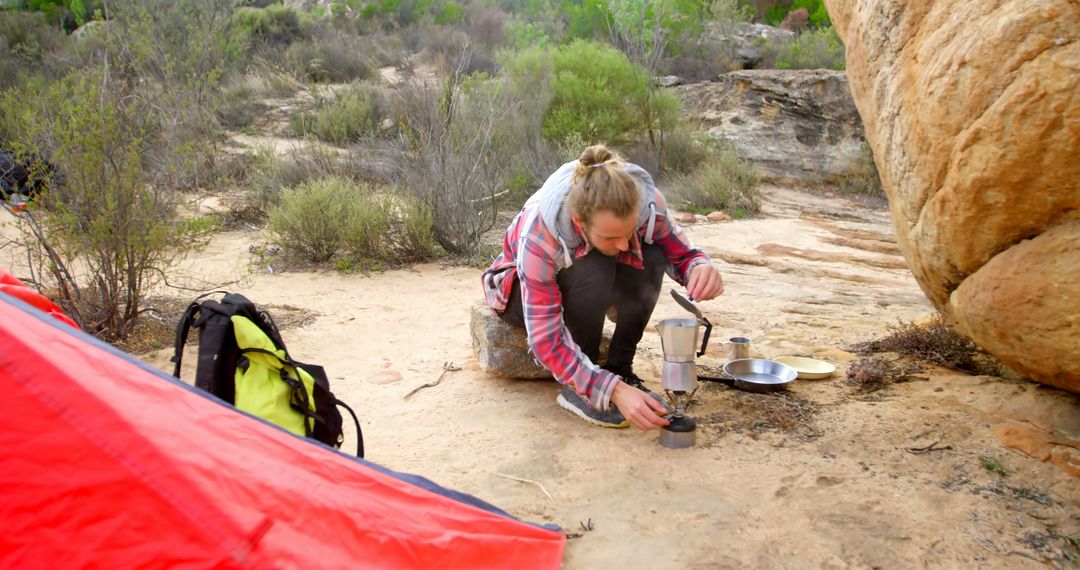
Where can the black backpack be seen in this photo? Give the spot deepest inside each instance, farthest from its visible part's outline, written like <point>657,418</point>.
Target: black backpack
<point>305,391</point>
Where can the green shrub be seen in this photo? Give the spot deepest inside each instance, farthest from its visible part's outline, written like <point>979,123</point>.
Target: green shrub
<point>521,35</point>
<point>367,227</point>
<point>275,25</point>
<point>333,217</point>
<point>415,237</point>
<point>724,182</point>
<point>597,93</point>
<point>102,238</point>
<point>28,45</point>
<point>312,219</point>
<point>356,112</point>
<point>816,49</point>
<point>450,13</point>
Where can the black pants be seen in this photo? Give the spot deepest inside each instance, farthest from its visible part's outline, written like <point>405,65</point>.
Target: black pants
<point>593,284</point>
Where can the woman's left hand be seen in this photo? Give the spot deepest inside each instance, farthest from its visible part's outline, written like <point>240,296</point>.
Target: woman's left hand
<point>705,282</point>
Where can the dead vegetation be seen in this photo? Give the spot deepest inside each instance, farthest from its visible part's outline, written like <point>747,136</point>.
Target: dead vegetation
<point>934,342</point>
<point>868,375</point>
<point>731,410</point>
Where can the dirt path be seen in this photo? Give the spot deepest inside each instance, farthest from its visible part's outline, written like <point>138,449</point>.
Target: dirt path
<point>819,477</point>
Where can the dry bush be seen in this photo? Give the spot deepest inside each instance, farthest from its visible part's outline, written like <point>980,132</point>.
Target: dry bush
<point>267,174</point>
<point>797,20</point>
<point>241,97</point>
<point>863,179</point>
<point>487,26</point>
<point>457,166</point>
<point>354,113</point>
<point>935,342</point>
<point>735,410</point>
<point>684,152</point>
<point>28,45</point>
<point>723,182</point>
<point>873,374</point>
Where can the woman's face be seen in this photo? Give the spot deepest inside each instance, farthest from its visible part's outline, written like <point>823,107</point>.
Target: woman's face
<point>608,233</point>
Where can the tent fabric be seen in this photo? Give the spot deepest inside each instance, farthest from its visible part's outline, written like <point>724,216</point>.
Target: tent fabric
<point>12,286</point>
<point>107,462</point>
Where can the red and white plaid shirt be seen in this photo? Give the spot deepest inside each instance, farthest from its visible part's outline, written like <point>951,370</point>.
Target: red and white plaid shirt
<point>535,256</point>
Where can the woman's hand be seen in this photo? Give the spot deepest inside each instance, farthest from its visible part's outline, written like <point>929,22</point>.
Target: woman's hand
<point>641,409</point>
<point>705,282</point>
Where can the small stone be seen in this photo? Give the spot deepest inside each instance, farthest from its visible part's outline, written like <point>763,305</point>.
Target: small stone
<point>687,218</point>
<point>700,218</point>
<point>718,216</point>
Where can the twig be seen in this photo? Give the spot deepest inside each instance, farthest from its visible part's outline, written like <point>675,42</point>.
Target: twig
<point>929,448</point>
<point>447,367</point>
<point>529,481</point>
<point>1025,555</point>
<point>491,197</point>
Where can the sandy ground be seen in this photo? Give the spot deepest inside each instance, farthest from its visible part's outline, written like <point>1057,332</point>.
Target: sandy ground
<point>818,477</point>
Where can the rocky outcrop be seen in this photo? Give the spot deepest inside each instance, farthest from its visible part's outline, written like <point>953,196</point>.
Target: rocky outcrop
<point>973,113</point>
<point>794,125</point>
<point>747,44</point>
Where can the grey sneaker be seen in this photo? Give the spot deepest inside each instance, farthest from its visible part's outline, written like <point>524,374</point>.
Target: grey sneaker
<point>569,400</point>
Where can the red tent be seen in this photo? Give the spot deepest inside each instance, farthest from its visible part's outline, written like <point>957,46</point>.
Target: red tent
<point>107,462</point>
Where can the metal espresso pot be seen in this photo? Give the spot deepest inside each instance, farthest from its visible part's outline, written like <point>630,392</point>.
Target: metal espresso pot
<point>679,339</point>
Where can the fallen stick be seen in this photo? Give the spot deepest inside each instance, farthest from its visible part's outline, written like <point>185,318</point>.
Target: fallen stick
<point>929,448</point>
<point>447,367</point>
<point>529,481</point>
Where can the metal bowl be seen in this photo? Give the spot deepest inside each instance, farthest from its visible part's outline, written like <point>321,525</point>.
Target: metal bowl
<point>759,375</point>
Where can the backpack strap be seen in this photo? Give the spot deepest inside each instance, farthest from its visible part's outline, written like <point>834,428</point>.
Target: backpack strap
<point>359,434</point>
<point>182,329</point>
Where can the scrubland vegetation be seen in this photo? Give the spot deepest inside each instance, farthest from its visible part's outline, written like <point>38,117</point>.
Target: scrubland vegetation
<point>423,122</point>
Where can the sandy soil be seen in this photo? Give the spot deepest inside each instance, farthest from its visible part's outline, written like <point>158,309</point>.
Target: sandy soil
<point>820,476</point>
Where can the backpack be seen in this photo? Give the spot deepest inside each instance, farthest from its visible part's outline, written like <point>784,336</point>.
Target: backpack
<point>243,361</point>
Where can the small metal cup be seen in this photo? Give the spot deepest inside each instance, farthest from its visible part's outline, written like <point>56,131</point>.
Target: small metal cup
<point>739,347</point>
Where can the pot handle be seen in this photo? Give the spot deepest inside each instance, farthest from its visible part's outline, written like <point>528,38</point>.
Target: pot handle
<point>705,337</point>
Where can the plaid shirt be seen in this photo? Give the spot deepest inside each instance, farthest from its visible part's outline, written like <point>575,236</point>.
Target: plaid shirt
<point>535,256</point>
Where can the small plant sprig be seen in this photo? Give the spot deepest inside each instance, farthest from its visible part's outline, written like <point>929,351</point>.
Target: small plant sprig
<point>992,465</point>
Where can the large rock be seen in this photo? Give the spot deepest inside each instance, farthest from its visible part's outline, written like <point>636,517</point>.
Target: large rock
<point>794,125</point>
<point>502,350</point>
<point>973,112</point>
<point>747,43</point>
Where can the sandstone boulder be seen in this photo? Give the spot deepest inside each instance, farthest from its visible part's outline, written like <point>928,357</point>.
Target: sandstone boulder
<point>503,350</point>
<point>973,113</point>
<point>794,125</point>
